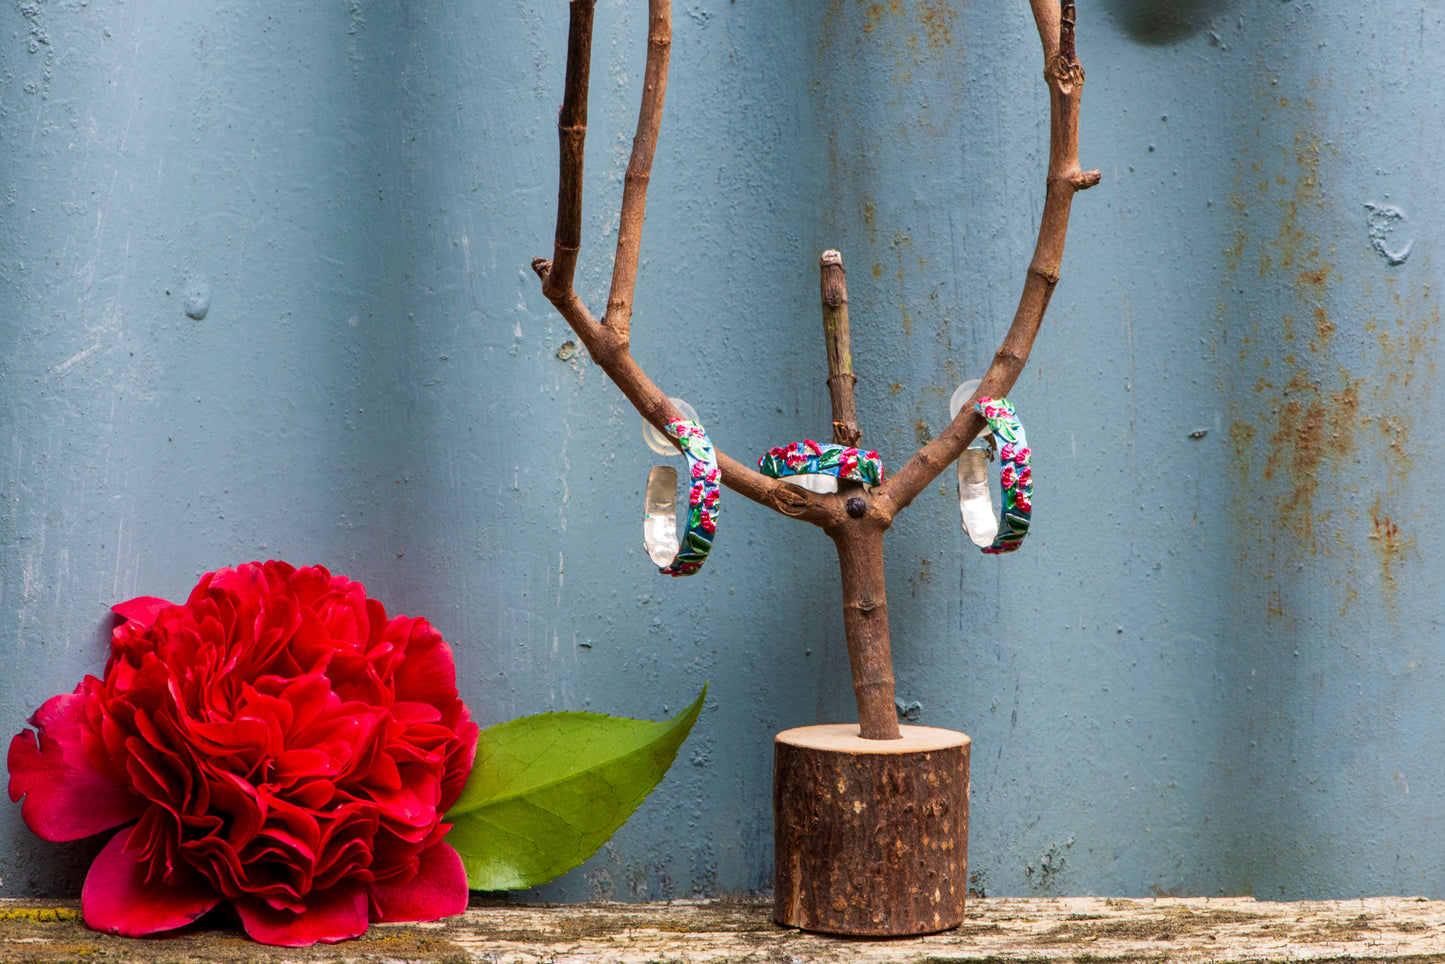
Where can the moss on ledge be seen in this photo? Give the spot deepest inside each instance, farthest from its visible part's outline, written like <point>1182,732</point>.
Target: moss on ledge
<point>1083,930</point>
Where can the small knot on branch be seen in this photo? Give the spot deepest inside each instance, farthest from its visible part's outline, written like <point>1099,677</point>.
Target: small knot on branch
<point>1007,357</point>
<point>1065,71</point>
<point>789,499</point>
<point>1050,275</point>
<point>1076,179</point>
<point>542,266</point>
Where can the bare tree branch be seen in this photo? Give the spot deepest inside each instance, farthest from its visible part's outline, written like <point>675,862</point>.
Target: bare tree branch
<point>639,169</point>
<point>606,349</point>
<point>865,623</point>
<point>834,285</point>
<point>572,135</point>
<point>608,344</point>
<point>1065,78</point>
<point>858,538</point>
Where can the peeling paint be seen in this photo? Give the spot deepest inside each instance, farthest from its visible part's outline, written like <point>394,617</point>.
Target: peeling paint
<point>1384,221</point>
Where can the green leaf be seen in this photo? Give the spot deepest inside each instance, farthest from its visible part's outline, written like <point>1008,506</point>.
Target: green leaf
<point>546,791</point>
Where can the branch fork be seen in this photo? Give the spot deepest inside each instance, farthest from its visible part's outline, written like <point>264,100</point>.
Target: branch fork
<point>854,517</point>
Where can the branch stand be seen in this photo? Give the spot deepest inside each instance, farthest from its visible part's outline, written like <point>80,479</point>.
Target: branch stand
<point>870,836</point>
<point>871,820</point>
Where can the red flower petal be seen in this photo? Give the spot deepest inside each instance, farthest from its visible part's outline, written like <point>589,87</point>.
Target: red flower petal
<point>118,899</point>
<point>330,916</point>
<point>438,890</point>
<point>65,799</point>
<point>429,673</point>
<point>142,609</point>
<point>459,761</point>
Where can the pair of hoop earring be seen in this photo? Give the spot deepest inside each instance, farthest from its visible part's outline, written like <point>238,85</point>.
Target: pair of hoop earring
<point>684,556</point>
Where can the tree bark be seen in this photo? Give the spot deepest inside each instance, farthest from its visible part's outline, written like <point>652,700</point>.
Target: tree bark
<point>870,839</point>
<point>618,317</point>
<point>865,622</point>
<point>841,380</point>
<point>857,535</point>
<point>572,138</point>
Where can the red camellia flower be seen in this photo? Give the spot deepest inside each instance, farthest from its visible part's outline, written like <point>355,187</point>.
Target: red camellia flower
<point>276,742</point>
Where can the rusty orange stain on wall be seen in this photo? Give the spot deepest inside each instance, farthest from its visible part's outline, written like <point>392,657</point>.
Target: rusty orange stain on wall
<point>1241,435</point>
<point>1389,545</point>
<point>875,13</point>
<point>1302,442</point>
<point>904,31</point>
<point>1344,411</point>
<point>1313,405</point>
<point>937,17</point>
<point>1297,449</point>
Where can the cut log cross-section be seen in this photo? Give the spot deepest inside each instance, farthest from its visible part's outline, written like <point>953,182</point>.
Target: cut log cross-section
<point>871,836</point>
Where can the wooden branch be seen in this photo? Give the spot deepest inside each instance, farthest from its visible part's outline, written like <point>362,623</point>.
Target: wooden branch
<point>1065,78</point>
<point>639,170</point>
<point>834,285</point>
<point>859,536</point>
<point>612,355</point>
<point>572,133</point>
<point>865,623</point>
<point>608,344</point>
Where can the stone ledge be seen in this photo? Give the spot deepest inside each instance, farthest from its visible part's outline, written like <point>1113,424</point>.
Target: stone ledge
<point>1084,929</point>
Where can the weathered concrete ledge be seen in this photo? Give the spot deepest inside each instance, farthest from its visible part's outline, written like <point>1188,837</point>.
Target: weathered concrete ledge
<point>1084,929</point>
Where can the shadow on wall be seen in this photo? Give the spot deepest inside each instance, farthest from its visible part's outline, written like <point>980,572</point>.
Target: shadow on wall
<point>1166,21</point>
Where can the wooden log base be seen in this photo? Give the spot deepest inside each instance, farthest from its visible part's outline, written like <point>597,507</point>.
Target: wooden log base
<point>870,836</point>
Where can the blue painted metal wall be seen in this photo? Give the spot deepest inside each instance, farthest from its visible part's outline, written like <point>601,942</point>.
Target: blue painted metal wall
<point>265,294</point>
